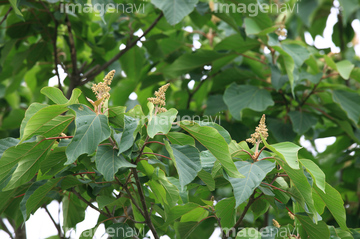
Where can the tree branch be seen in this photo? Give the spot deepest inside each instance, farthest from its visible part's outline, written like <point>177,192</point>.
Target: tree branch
<point>89,203</point>
<point>142,199</point>
<point>5,228</point>
<point>58,228</point>
<point>89,76</point>
<point>6,15</point>
<point>252,199</point>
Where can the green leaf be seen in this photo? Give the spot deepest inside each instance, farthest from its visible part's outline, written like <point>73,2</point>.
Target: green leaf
<point>91,130</point>
<point>225,211</point>
<point>56,95</point>
<point>289,65</point>
<point>254,174</point>
<point>28,157</point>
<point>7,143</point>
<point>35,195</point>
<point>120,231</point>
<point>175,10</point>
<point>302,121</point>
<point>215,143</point>
<point>108,162</point>
<point>334,203</point>
<point>180,138</point>
<point>224,133</point>
<point>190,61</point>
<point>207,161</point>
<point>237,43</point>
<point>42,117</point>
<point>179,210</point>
<point>251,27</point>
<point>302,186</point>
<point>298,53</point>
<point>207,179</point>
<point>14,5</point>
<point>125,140</point>
<point>247,233</point>
<point>73,211</point>
<point>260,207</point>
<point>317,174</point>
<point>313,230</point>
<point>33,108</point>
<point>239,97</point>
<point>161,123</point>
<point>54,161</point>
<point>187,162</point>
<point>286,151</point>
<point>132,62</point>
<point>349,102</point>
<point>345,68</point>
<point>184,229</point>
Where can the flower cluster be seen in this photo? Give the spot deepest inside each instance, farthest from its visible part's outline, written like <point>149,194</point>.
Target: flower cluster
<point>102,89</point>
<point>261,129</point>
<point>159,100</point>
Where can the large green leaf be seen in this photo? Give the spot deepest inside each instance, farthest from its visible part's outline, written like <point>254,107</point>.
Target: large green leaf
<point>349,102</point>
<point>108,162</point>
<point>35,195</point>
<point>180,138</point>
<point>239,97</point>
<point>317,174</point>
<point>207,160</point>
<point>27,157</point>
<point>175,10</point>
<point>298,53</point>
<point>311,229</point>
<point>33,108</point>
<point>187,161</point>
<point>91,130</point>
<point>179,210</point>
<point>132,63</point>
<point>345,68</point>
<point>237,43</point>
<point>73,211</point>
<point>289,65</point>
<point>215,143</point>
<point>126,138</point>
<point>334,203</point>
<point>14,5</point>
<point>302,187</point>
<point>254,174</point>
<point>161,123</point>
<point>7,143</point>
<point>225,211</point>
<point>302,121</point>
<point>190,61</point>
<point>58,97</point>
<point>286,151</point>
<point>42,117</point>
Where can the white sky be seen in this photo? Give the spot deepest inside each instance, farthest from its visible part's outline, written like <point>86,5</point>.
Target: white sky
<point>39,226</point>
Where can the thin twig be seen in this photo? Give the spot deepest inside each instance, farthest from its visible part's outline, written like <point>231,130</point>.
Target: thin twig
<point>58,228</point>
<point>143,202</point>
<point>89,76</point>
<point>6,15</point>
<point>5,228</point>
<point>238,222</point>
<point>89,203</point>
<point>72,47</point>
<point>160,155</point>
<point>54,42</point>
<point>155,142</point>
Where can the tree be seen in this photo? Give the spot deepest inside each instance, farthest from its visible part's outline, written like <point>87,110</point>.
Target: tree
<point>185,168</point>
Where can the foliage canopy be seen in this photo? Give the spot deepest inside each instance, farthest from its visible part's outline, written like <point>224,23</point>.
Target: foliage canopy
<point>178,163</point>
